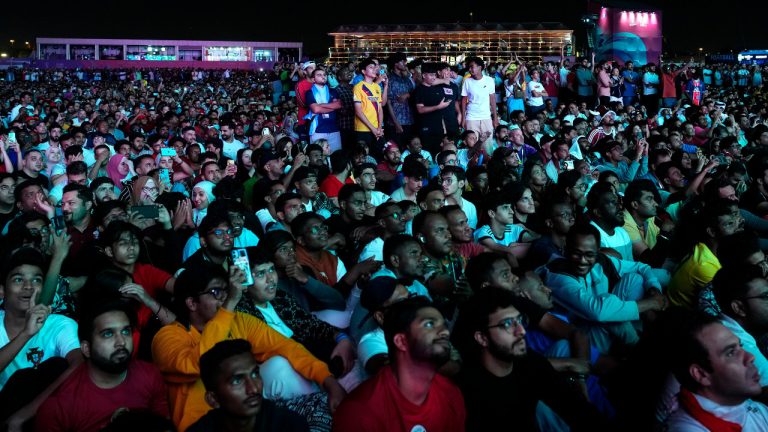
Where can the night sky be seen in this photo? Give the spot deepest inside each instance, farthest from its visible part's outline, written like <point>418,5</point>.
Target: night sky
<point>714,26</point>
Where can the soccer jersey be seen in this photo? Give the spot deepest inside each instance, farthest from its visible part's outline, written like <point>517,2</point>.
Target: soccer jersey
<point>511,235</point>
<point>369,98</point>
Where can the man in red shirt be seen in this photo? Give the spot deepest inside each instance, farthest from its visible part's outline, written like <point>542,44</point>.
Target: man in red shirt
<point>122,245</point>
<point>341,167</point>
<point>408,394</point>
<point>109,380</point>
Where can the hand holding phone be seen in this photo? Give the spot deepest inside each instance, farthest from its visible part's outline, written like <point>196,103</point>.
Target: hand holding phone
<point>240,259</point>
<point>147,211</point>
<point>168,151</point>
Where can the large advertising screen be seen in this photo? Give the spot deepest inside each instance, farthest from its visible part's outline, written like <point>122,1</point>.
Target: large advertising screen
<point>228,54</point>
<point>624,35</point>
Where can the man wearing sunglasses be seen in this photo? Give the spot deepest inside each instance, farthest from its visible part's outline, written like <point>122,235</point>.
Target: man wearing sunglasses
<point>501,380</point>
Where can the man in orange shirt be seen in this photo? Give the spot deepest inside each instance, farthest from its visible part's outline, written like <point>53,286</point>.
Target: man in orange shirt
<point>205,303</point>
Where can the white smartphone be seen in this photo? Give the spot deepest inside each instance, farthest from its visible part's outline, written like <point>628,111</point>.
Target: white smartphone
<point>240,259</point>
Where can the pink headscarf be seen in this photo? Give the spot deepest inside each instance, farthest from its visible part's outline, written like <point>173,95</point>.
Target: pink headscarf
<point>113,170</point>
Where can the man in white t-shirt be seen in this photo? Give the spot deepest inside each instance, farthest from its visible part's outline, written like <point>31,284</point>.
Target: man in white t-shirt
<point>231,145</point>
<point>454,179</point>
<point>478,101</point>
<point>365,175</point>
<point>536,94</point>
<point>607,215</point>
<point>30,336</point>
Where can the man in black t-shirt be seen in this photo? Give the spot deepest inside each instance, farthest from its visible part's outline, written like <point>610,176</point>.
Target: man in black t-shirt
<point>8,208</point>
<point>501,380</point>
<point>433,98</point>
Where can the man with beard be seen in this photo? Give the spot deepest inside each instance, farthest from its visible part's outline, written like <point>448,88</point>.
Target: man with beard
<point>8,208</point>
<point>407,394</point>
<point>233,387</point>
<point>230,145</point>
<point>366,177</point>
<point>109,380</point>
<point>502,382</point>
<point>76,205</point>
<point>54,134</point>
<point>351,222</point>
<point>391,221</point>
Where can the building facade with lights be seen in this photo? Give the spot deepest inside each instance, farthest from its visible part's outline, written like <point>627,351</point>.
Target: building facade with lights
<point>451,42</point>
<point>182,52</point>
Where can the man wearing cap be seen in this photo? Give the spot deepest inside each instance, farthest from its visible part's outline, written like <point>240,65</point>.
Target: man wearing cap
<point>323,102</point>
<point>380,293</point>
<point>606,129</point>
<point>302,87</point>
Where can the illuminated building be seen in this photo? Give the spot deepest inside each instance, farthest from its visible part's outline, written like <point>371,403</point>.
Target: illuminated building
<point>451,42</point>
<point>179,53</point>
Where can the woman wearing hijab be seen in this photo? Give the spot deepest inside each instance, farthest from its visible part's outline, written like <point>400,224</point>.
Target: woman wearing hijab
<point>120,169</point>
<point>202,197</point>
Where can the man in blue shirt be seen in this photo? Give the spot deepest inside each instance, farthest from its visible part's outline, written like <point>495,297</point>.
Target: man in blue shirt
<point>323,102</point>
<point>630,83</point>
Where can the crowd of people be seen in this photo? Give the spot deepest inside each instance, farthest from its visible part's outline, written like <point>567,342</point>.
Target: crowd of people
<point>386,245</point>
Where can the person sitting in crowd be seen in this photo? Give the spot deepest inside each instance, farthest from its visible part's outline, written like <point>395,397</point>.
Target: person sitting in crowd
<point>338,233</point>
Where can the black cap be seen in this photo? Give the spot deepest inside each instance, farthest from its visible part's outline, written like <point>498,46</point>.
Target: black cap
<point>377,292</point>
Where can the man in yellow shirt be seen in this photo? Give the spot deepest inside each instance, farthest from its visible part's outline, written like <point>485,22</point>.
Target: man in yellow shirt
<point>205,303</point>
<point>650,244</point>
<point>369,115</point>
<point>700,266</point>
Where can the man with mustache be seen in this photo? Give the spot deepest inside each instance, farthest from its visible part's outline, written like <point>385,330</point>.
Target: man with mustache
<point>718,379</point>
<point>408,394</point>
<point>501,380</point>
<point>233,387</point>
<point>110,379</point>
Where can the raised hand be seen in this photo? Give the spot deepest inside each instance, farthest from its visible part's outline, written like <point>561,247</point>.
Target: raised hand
<point>36,315</point>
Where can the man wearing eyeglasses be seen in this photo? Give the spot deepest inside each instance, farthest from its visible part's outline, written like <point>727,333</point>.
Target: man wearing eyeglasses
<point>216,242</point>
<point>601,294</point>
<point>501,380</point>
